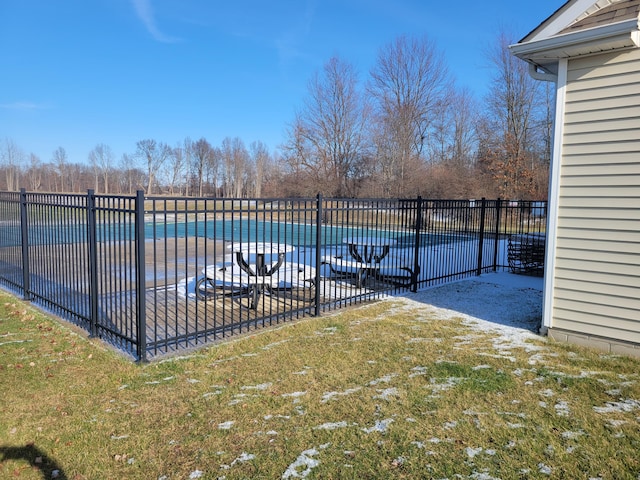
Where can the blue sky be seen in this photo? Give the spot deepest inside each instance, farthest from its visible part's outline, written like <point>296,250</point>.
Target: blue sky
<point>76,73</point>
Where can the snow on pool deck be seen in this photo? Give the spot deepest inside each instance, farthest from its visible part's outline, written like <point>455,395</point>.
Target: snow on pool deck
<point>497,298</point>
<point>508,306</point>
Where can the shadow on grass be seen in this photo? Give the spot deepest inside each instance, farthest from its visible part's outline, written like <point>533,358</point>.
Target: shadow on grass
<point>35,457</point>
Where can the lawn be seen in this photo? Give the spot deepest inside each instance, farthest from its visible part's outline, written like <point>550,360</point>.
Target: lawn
<point>393,389</point>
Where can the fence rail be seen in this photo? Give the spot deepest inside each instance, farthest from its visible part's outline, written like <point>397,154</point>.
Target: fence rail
<point>155,275</point>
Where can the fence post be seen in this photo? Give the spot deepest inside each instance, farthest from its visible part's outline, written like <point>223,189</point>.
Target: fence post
<point>93,261</point>
<point>497,234</point>
<point>416,251</point>
<point>319,214</point>
<point>26,274</point>
<point>141,307</point>
<point>481,237</point>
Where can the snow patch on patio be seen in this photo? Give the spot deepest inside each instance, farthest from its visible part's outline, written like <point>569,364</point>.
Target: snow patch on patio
<point>507,306</point>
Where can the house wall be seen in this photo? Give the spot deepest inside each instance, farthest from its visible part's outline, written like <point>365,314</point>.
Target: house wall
<point>596,269</point>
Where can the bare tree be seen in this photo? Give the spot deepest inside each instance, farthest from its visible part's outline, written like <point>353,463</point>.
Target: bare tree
<point>464,111</point>
<point>261,158</point>
<point>11,157</point>
<point>49,178</point>
<point>132,177</point>
<point>127,177</point>
<point>453,136</point>
<point>154,154</point>
<point>408,84</point>
<point>328,137</point>
<point>34,173</point>
<point>273,176</point>
<point>202,153</point>
<point>187,149</point>
<point>295,150</point>
<point>213,170</point>
<point>513,109</point>
<point>177,167</point>
<point>237,169</point>
<point>101,159</point>
<point>79,177</point>
<point>60,161</point>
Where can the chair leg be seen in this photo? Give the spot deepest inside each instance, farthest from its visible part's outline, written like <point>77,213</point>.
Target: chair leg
<point>254,296</point>
<point>399,281</point>
<point>203,285</point>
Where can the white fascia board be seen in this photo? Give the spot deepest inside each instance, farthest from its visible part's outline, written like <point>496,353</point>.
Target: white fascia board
<point>563,46</point>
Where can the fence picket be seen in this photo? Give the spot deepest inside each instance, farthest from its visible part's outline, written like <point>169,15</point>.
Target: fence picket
<point>24,235</point>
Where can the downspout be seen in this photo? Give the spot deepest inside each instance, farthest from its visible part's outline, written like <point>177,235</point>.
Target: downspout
<point>539,73</point>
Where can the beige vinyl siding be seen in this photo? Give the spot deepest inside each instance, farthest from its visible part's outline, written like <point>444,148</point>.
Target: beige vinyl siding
<point>597,257</point>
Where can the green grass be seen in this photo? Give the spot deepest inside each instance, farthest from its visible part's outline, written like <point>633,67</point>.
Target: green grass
<point>372,392</point>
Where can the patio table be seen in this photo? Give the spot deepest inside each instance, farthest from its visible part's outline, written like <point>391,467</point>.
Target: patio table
<point>369,250</point>
<point>260,261</point>
<point>255,269</point>
<point>365,255</point>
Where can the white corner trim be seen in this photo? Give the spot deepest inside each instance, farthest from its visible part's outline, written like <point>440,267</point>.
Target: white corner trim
<point>554,196</point>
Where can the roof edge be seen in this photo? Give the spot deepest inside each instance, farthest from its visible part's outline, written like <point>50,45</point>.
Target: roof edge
<point>563,16</point>
<point>565,42</point>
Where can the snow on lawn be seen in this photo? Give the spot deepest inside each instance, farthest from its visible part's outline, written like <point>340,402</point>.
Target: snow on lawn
<point>303,464</point>
<point>509,309</point>
<point>506,305</point>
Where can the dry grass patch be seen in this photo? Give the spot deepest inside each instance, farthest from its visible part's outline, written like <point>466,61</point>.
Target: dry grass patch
<point>387,390</point>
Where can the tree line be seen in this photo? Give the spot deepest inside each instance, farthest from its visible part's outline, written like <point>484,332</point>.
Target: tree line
<point>405,130</point>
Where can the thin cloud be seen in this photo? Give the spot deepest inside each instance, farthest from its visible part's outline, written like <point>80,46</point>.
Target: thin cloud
<point>23,106</point>
<point>145,14</point>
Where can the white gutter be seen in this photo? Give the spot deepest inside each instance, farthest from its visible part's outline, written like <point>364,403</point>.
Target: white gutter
<point>561,46</point>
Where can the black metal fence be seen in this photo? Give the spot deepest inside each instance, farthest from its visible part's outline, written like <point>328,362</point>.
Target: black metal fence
<point>155,275</point>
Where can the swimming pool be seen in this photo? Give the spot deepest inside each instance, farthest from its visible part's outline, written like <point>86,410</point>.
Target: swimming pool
<point>235,230</point>
<point>247,230</point>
